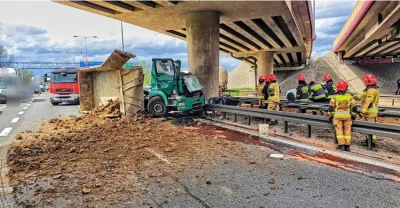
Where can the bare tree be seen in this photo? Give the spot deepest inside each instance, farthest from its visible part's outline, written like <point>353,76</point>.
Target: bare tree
<point>5,58</point>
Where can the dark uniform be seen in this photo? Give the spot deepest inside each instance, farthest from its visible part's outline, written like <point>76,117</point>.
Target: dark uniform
<point>331,88</point>
<point>317,92</point>
<point>302,93</point>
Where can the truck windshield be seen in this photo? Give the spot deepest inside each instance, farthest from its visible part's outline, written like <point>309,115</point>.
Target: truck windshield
<point>63,78</point>
<point>192,83</point>
<point>165,67</point>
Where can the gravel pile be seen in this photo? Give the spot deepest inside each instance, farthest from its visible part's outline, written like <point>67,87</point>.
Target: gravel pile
<point>243,76</point>
<point>314,71</point>
<point>386,74</point>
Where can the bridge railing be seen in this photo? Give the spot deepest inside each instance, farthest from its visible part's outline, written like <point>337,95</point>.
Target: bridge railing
<point>350,20</point>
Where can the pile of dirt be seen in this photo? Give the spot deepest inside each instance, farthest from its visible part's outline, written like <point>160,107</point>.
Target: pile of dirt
<point>314,71</point>
<point>386,74</point>
<point>243,76</point>
<point>96,161</point>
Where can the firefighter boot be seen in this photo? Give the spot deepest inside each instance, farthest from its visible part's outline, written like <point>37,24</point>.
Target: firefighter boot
<point>340,147</point>
<point>347,148</point>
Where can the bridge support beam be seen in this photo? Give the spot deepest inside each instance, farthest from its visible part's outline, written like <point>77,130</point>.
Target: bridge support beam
<point>202,35</point>
<point>265,63</point>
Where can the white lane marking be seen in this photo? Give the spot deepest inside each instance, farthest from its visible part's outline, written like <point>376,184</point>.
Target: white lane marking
<point>28,104</point>
<point>6,131</point>
<point>24,108</point>
<point>162,157</point>
<point>20,113</point>
<point>3,107</point>
<point>15,120</point>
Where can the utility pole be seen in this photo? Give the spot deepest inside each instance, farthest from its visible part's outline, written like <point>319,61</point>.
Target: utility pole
<point>122,34</point>
<point>85,37</point>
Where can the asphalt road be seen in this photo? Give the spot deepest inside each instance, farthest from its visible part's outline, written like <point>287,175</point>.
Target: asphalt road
<point>297,183</point>
<point>234,183</point>
<point>15,118</point>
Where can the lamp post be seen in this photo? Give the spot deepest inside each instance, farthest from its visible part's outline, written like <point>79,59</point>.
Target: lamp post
<point>74,52</point>
<point>122,37</point>
<point>85,37</point>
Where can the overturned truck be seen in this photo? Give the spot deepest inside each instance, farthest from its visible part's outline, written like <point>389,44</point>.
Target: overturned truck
<point>110,81</point>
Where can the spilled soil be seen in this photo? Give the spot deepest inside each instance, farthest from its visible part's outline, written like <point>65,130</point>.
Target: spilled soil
<point>102,160</point>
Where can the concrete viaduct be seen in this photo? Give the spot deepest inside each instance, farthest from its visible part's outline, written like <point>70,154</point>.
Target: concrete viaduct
<point>265,33</point>
<point>371,31</point>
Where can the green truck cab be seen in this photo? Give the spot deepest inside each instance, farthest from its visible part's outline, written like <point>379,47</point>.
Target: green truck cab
<point>173,90</point>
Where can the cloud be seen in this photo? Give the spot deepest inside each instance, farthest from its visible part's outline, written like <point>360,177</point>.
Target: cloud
<point>330,16</point>
<point>32,44</point>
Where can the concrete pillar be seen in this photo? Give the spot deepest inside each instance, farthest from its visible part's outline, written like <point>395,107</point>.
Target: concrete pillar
<point>265,63</point>
<point>202,36</point>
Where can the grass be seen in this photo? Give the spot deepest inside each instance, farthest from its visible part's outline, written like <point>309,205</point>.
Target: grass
<point>238,93</point>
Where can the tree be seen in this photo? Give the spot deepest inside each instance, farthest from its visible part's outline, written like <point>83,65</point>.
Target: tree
<point>146,71</point>
<point>5,58</point>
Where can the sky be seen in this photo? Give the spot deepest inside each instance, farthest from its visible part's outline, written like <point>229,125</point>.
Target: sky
<point>43,31</point>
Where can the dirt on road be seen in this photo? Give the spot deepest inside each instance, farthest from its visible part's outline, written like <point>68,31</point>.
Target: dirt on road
<point>94,161</point>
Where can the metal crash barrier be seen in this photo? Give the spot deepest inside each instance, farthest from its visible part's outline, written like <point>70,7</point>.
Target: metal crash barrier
<point>379,129</point>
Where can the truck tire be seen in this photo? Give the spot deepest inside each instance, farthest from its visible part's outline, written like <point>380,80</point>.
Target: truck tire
<point>290,97</point>
<point>157,107</point>
<point>54,103</point>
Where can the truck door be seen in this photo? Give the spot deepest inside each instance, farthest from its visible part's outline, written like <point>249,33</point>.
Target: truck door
<point>165,75</point>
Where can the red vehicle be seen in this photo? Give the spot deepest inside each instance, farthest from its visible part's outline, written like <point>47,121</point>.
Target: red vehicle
<point>64,86</point>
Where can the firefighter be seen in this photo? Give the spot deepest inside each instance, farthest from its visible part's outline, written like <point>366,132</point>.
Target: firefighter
<point>273,96</point>
<point>317,91</point>
<point>342,109</point>
<point>329,86</point>
<point>265,90</point>
<point>302,89</point>
<point>260,86</point>
<point>369,103</point>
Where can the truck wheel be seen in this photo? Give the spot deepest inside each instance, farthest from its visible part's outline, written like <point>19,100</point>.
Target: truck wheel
<point>157,107</point>
<point>290,97</point>
<point>54,103</point>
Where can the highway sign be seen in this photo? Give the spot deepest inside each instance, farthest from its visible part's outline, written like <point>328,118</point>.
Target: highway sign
<point>85,64</point>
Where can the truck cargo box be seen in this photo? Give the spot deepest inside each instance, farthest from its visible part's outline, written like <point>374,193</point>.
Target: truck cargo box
<point>110,81</point>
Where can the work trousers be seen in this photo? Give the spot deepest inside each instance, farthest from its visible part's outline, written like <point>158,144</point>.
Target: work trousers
<point>370,119</point>
<point>343,130</point>
<point>261,101</point>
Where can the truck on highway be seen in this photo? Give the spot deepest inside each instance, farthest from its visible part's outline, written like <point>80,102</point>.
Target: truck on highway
<point>64,86</point>
<point>173,90</point>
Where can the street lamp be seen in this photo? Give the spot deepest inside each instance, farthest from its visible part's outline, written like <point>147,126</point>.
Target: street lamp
<point>85,37</point>
<point>74,52</point>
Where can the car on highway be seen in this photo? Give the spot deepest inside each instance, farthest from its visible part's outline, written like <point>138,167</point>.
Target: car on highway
<point>3,96</point>
<point>291,94</point>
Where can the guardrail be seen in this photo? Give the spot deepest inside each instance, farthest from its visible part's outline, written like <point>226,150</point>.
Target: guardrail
<point>387,130</point>
<point>317,106</point>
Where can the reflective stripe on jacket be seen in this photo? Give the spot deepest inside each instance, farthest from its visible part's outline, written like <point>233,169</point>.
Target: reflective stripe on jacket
<point>302,93</point>
<point>273,92</point>
<point>370,101</point>
<point>259,89</point>
<point>341,106</point>
<point>317,92</point>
